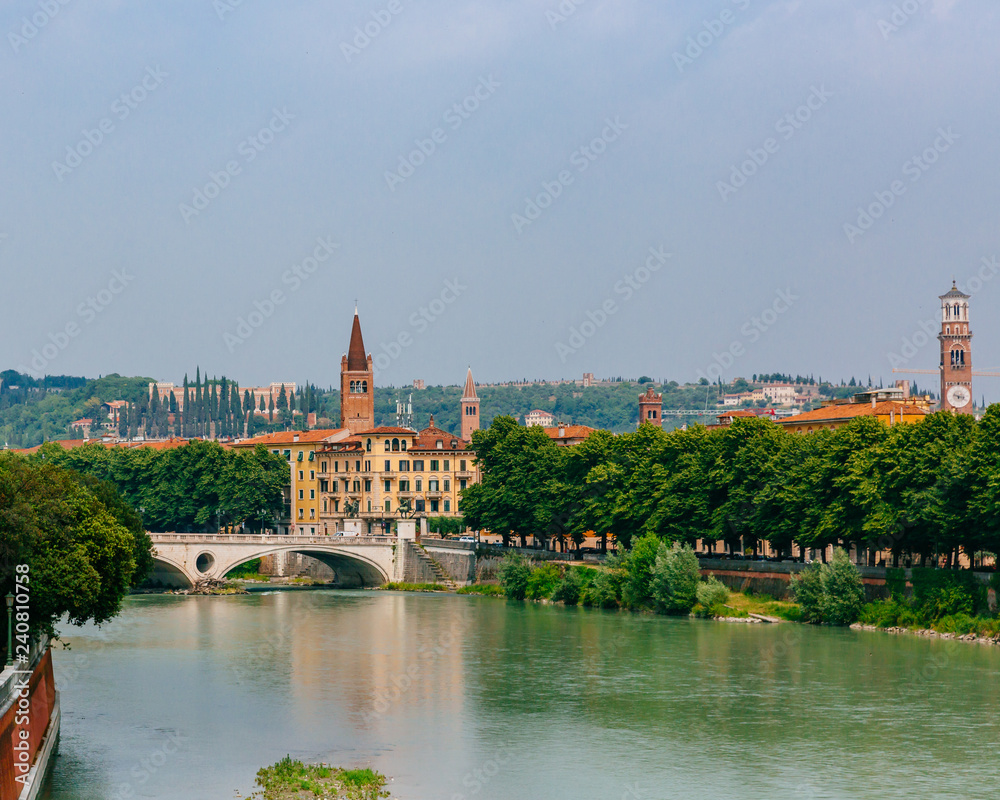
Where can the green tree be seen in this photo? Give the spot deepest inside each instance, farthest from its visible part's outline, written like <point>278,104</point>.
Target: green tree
<point>675,579</point>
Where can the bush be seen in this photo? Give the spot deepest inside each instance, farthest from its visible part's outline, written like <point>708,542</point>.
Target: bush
<point>638,563</point>
<point>831,593</point>
<point>570,588</point>
<point>514,574</point>
<point>543,582</point>
<point>895,582</point>
<point>675,579</point>
<point>485,589</point>
<point>941,593</point>
<point>603,590</point>
<point>712,594</point>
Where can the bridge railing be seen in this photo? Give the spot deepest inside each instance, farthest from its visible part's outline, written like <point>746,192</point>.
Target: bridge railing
<point>225,538</point>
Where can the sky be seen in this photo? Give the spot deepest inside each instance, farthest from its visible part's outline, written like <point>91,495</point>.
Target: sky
<point>534,188</point>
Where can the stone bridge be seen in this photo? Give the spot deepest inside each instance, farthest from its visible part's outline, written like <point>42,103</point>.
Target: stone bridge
<point>183,559</point>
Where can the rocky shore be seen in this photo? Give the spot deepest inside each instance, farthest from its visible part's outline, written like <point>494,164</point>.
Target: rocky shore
<point>958,637</point>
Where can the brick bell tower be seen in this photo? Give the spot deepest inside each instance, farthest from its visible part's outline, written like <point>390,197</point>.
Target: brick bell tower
<point>357,384</point>
<point>956,352</point>
<point>470,408</point>
<point>651,408</point>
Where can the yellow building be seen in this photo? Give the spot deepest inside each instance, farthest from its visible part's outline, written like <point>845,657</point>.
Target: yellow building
<point>390,473</point>
<point>301,514</point>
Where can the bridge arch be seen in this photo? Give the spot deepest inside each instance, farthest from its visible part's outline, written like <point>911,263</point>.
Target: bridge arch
<point>352,570</point>
<point>168,572</point>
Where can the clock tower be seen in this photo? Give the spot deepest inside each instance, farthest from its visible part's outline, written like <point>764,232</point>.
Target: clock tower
<point>956,352</point>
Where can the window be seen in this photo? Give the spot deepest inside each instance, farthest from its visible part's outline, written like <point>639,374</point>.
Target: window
<point>386,506</point>
<point>369,505</point>
<point>418,465</point>
<point>312,512</point>
<point>368,466</point>
<point>388,445</point>
<point>404,465</point>
<point>325,508</point>
<point>447,505</point>
<point>454,444</point>
<point>439,444</point>
<point>447,465</point>
<point>312,530</point>
<point>404,486</point>
<point>368,485</point>
<point>434,505</point>
<point>433,485</point>
<point>324,485</point>
<point>462,483</point>
<point>357,486</point>
<point>301,494</point>
<point>336,466</point>
<point>300,474</point>
<point>387,485</point>
<point>336,506</point>
<point>302,513</point>
<point>402,444</point>
<point>312,455</point>
<point>357,466</point>
<point>420,485</point>
<point>368,445</point>
<point>461,466</point>
<point>312,474</point>
<point>395,445</point>
<point>435,465</point>
<point>312,494</point>
<point>288,454</point>
<point>299,456</point>
<point>388,466</point>
<point>447,485</point>
<point>275,452</point>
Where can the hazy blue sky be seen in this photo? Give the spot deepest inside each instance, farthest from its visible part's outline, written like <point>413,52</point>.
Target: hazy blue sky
<point>443,247</point>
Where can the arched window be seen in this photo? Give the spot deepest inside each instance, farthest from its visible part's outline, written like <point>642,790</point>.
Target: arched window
<point>402,445</point>
<point>387,445</point>
<point>368,445</point>
<point>947,329</point>
<point>364,387</point>
<point>395,445</point>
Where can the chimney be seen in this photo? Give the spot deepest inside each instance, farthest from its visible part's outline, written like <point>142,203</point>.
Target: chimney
<point>873,401</point>
<point>562,432</point>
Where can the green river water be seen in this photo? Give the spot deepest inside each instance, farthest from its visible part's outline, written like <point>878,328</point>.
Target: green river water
<point>464,697</point>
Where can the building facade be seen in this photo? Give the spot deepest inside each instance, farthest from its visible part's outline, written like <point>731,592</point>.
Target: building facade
<point>542,419</point>
<point>956,352</point>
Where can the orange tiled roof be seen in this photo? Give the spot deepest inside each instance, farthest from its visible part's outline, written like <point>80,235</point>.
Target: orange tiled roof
<point>385,430</point>
<point>569,431</point>
<point>848,411</point>
<point>288,437</point>
<point>428,438</point>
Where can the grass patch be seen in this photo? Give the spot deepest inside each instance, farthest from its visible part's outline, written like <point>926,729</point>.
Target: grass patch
<point>415,587</point>
<point>290,780</point>
<point>485,589</point>
<point>743,605</point>
<point>899,614</point>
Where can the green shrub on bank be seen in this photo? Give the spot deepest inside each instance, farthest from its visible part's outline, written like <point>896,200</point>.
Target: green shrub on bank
<point>515,573</point>
<point>543,582</point>
<point>712,595</point>
<point>638,564</point>
<point>603,590</point>
<point>570,588</point>
<point>485,589</point>
<point>830,593</point>
<point>941,593</point>
<point>399,586</point>
<point>675,579</point>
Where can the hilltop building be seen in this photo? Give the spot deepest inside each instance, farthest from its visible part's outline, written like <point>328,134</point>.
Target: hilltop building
<point>651,408</point>
<point>542,419</point>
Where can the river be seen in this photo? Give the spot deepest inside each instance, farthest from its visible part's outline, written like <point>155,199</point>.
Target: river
<point>463,697</point>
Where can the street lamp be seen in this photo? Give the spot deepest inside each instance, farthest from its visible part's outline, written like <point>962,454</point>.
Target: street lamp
<point>10,629</point>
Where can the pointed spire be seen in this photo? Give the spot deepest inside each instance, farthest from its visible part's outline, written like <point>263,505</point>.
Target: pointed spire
<point>356,361</point>
<point>470,387</point>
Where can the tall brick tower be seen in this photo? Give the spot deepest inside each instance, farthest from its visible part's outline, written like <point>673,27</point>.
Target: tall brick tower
<point>357,384</point>
<point>651,408</point>
<point>470,408</point>
<point>956,352</point>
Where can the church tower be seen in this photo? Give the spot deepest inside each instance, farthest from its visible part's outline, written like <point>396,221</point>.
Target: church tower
<point>651,408</point>
<point>470,408</point>
<point>956,352</point>
<point>357,384</point>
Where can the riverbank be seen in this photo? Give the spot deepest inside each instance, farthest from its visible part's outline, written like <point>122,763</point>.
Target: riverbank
<point>931,633</point>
